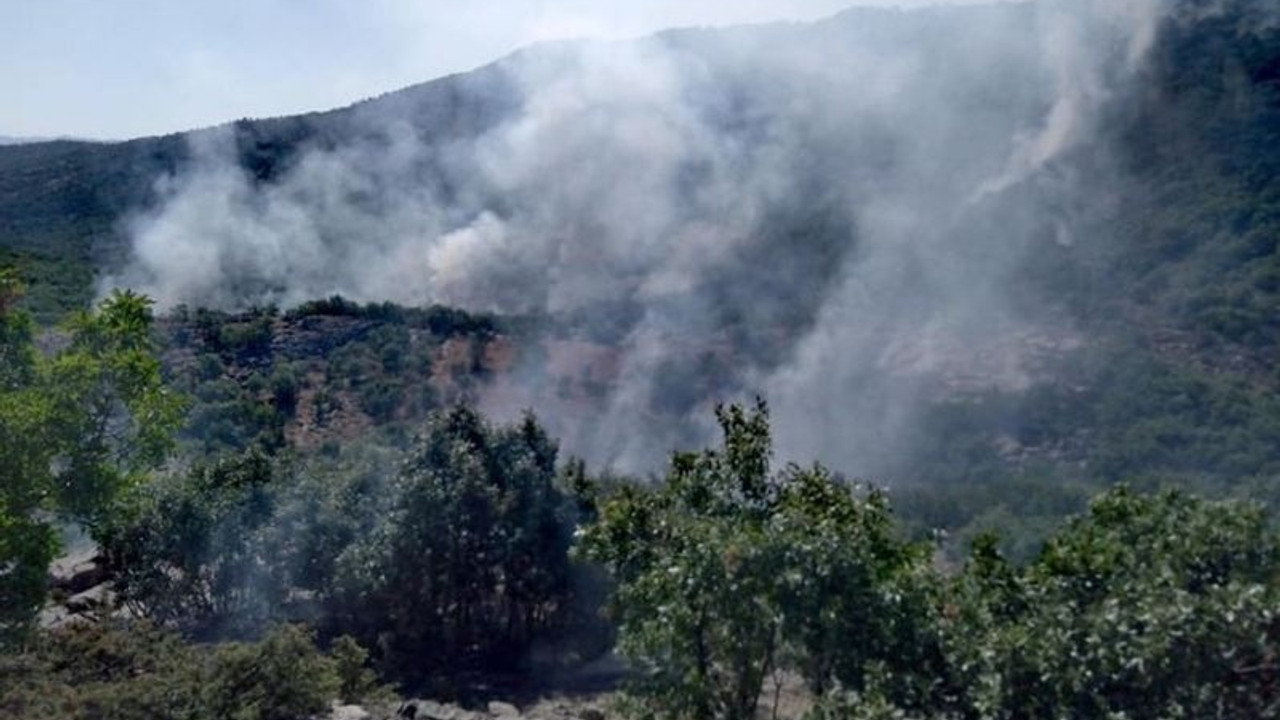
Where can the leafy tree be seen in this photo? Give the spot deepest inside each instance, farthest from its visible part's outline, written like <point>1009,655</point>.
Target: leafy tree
<point>285,389</point>
<point>727,573</point>
<point>355,680</point>
<point>470,563</point>
<point>76,429</point>
<point>191,550</point>
<point>114,417</point>
<point>1146,607</point>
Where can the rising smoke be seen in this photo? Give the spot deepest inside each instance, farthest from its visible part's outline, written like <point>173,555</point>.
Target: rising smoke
<point>832,215</point>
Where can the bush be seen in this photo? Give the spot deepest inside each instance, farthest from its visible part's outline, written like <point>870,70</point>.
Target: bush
<point>283,677</point>
<point>285,389</point>
<point>1146,607</point>
<point>381,398</point>
<point>189,550</point>
<point>355,680</point>
<point>137,672</point>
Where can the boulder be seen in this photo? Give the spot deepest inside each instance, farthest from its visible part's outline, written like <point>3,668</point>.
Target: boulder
<point>78,571</point>
<point>432,710</point>
<point>349,712</point>
<point>503,710</point>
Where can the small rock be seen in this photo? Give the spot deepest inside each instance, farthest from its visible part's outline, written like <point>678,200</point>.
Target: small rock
<point>432,710</point>
<point>78,571</point>
<point>591,714</point>
<point>349,712</point>
<point>503,710</point>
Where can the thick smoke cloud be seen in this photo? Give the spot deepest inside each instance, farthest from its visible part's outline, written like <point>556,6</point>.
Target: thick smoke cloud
<point>832,215</point>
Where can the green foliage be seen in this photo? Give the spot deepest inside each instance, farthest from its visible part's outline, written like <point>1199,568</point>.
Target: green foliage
<point>469,564</point>
<point>728,574</point>
<point>231,415</point>
<point>76,430</point>
<point>114,416</point>
<point>191,552</point>
<point>285,386</point>
<point>234,545</point>
<point>451,565</point>
<point>137,672</point>
<point>356,681</point>
<point>331,367</point>
<point>283,677</point>
<point>55,283</point>
<point>1146,607</point>
<point>99,671</point>
<point>439,320</point>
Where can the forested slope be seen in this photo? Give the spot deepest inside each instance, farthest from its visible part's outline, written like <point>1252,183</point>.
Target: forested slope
<point>1142,291</point>
<point>1011,307</point>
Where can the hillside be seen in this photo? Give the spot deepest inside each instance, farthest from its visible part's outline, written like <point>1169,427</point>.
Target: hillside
<point>907,363</point>
<point>871,220</point>
<point>64,204</point>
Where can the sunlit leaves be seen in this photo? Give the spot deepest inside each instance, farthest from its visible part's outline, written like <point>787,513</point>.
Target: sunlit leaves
<point>729,573</point>
<point>1146,607</point>
<point>76,428</point>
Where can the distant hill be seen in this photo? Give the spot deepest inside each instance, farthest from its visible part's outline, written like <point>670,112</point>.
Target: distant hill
<point>62,202</point>
<point>28,140</point>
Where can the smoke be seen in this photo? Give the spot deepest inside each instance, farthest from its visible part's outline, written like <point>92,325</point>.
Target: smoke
<point>1081,84</point>
<point>833,215</point>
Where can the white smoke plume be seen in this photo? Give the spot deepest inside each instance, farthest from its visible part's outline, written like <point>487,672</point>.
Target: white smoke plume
<point>833,212</point>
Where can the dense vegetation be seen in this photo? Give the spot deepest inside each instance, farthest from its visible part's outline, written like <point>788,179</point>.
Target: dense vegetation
<point>1147,606</point>
<point>1172,284</point>
<point>323,372</point>
<point>295,507</point>
<point>77,429</point>
<point>448,563</point>
<point>138,671</point>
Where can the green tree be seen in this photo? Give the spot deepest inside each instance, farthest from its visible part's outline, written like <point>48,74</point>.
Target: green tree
<point>114,418</point>
<point>1146,607</point>
<point>192,550</point>
<point>470,563</point>
<point>27,544</point>
<point>356,681</point>
<point>728,573</point>
<point>76,429</point>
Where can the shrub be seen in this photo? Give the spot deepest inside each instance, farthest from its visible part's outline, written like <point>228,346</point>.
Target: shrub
<point>355,680</point>
<point>138,672</point>
<point>188,550</point>
<point>283,677</point>
<point>1145,607</point>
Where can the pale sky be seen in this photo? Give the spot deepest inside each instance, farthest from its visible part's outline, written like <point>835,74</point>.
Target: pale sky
<point>115,69</point>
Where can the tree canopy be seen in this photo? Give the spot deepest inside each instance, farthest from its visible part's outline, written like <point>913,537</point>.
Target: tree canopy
<point>77,428</point>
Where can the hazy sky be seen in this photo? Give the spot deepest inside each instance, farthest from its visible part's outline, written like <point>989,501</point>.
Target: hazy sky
<point>124,68</point>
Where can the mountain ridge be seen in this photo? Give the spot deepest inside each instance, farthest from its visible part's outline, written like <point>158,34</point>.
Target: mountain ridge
<point>1129,267</point>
